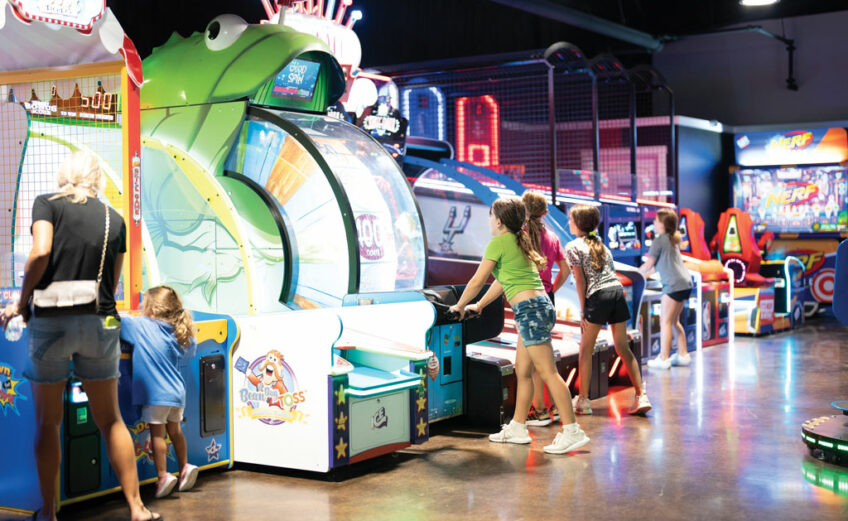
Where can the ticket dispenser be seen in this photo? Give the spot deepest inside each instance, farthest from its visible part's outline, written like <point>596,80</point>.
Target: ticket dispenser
<point>82,458</point>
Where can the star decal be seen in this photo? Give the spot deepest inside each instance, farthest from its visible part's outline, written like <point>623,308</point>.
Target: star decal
<point>341,449</point>
<point>341,422</point>
<point>422,427</point>
<point>212,450</point>
<point>422,403</point>
<point>422,386</point>
<point>340,395</point>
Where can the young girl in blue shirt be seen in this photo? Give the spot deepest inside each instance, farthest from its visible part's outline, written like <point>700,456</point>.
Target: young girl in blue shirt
<point>162,337</point>
<point>510,257</point>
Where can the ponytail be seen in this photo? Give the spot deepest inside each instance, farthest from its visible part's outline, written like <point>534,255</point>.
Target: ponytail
<point>536,207</point>
<point>522,238</point>
<point>163,303</point>
<point>669,221</point>
<point>184,329</point>
<point>675,237</point>
<point>597,251</point>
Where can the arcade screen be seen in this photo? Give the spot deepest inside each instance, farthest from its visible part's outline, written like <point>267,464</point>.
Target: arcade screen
<point>811,199</point>
<point>684,235</point>
<point>297,80</point>
<point>623,238</point>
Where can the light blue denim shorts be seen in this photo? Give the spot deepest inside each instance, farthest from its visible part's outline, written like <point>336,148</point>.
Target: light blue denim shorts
<point>55,341</point>
<point>535,318</point>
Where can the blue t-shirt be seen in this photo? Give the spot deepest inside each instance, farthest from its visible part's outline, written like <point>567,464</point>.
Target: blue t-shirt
<point>156,361</point>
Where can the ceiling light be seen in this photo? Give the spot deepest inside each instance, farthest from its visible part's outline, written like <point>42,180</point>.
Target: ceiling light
<point>755,3</point>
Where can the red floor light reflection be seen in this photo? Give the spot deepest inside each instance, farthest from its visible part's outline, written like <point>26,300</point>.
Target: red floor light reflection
<point>613,408</point>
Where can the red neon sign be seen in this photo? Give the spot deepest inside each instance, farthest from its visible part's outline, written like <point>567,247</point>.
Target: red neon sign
<point>477,128</point>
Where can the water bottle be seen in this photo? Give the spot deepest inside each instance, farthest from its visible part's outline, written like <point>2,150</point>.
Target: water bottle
<point>15,328</point>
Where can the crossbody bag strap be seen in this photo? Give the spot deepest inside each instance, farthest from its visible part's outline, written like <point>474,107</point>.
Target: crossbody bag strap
<point>105,242</point>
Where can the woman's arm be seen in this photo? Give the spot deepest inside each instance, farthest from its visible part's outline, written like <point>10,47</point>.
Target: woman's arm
<point>119,265</point>
<point>562,276</point>
<point>580,281</point>
<point>494,292</point>
<point>648,265</point>
<point>36,265</point>
<point>484,270</point>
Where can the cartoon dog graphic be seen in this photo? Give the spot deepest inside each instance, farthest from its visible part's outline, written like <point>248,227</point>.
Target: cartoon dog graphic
<point>270,376</point>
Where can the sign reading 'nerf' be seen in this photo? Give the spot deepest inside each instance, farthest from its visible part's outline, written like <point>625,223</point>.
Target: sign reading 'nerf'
<point>791,141</point>
<point>793,195</point>
<point>804,146</point>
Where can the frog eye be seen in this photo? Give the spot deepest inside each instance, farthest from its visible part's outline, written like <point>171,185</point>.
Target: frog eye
<point>223,30</point>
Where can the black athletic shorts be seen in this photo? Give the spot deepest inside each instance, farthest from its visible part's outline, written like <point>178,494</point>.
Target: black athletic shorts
<point>607,306</point>
<point>681,295</point>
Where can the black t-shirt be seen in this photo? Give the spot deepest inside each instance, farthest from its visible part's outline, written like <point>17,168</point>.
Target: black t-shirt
<point>78,244</point>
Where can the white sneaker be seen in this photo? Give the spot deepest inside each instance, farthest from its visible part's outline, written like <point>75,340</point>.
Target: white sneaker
<point>676,359</point>
<point>188,477</point>
<point>659,363</point>
<point>512,432</point>
<point>641,404</point>
<point>582,405</point>
<point>165,485</point>
<point>567,441</point>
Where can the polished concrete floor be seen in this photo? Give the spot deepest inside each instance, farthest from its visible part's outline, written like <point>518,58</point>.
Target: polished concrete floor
<point>722,442</point>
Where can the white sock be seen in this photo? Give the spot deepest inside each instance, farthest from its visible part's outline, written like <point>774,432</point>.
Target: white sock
<point>571,427</point>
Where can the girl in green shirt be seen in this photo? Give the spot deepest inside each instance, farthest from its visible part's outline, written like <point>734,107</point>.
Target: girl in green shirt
<point>511,259</point>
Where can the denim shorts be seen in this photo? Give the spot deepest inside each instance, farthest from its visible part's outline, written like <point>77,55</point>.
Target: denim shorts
<point>535,318</point>
<point>85,339</point>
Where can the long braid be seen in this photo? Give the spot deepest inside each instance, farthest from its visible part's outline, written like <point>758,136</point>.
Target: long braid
<point>587,218</point>
<point>536,206</point>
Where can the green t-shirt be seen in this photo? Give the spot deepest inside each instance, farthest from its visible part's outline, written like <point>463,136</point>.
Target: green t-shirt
<point>513,270</point>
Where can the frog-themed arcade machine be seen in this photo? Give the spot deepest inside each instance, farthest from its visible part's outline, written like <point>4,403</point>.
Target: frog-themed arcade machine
<point>53,105</point>
<point>300,224</point>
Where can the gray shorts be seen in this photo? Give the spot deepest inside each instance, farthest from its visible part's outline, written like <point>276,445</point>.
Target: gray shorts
<point>55,341</point>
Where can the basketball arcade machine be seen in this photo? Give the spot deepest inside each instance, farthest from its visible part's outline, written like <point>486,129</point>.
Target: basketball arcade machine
<point>48,113</point>
<point>804,206</point>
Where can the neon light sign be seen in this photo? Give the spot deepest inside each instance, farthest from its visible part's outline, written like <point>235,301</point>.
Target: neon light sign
<point>477,128</point>
<point>421,124</point>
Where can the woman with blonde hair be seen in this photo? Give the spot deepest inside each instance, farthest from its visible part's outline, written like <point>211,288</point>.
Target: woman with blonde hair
<point>76,258</point>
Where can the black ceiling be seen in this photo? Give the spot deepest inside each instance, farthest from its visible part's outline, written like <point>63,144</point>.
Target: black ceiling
<point>401,31</point>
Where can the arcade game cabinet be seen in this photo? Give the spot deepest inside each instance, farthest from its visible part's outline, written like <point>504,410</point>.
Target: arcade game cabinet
<point>762,304</point>
<point>716,281</point>
<point>827,436</point>
<point>804,205</point>
<point>52,107</point>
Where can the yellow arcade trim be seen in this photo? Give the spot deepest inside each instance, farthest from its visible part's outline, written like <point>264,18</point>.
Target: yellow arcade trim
<point>214,193</point>
<point>61,73</point>
<point>215,330</point>
<point>130,282</point>
<point>147,481</point>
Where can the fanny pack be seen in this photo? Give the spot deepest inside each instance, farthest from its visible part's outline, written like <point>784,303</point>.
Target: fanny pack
<point>71,297</point>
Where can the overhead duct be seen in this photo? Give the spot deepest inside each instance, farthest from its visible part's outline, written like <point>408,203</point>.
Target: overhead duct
<point>567,15</point>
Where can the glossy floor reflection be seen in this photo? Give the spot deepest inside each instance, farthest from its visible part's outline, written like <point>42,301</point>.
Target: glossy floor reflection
<point>723,442</point>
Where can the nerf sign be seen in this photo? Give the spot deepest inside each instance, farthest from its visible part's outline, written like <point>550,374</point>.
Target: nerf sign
<point>792,147</point>
<point>791,141</point>
<point>812,259</point>
<point>794,194</point>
